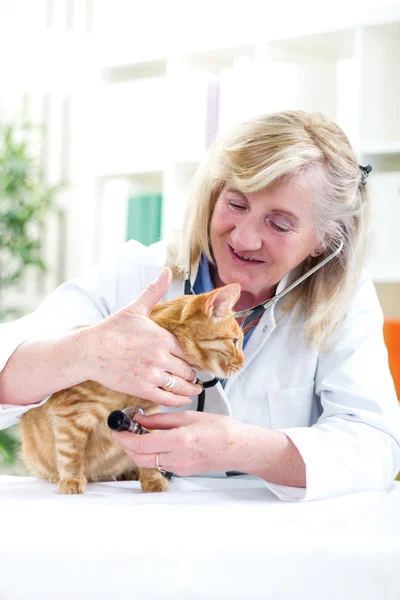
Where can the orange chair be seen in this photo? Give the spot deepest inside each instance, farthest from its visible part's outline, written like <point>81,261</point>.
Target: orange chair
<point>391,333</point>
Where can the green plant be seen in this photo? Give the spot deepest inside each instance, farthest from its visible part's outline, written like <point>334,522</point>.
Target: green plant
<point>8,447</point>
<point>25,201</point>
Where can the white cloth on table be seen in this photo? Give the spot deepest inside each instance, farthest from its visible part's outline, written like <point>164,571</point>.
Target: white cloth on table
<point>208,538</point>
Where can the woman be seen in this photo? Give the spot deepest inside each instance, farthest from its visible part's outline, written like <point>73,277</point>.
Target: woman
<point>314,412</point>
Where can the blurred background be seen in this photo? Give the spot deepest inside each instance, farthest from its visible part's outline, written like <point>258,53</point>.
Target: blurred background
<point>107,108</point>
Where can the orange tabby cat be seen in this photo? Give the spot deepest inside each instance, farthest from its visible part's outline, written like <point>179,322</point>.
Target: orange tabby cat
<point>67,441</point>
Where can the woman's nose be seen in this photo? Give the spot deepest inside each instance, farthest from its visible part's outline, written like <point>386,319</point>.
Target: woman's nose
<point>246,235</point>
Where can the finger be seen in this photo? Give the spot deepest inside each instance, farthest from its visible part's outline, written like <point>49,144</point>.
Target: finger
<point>168,420</point>
<point>165,398</point>
<point>175,348</point>
<point>149,461</point>
<point>183,370</point>
<point>153,293</point>
<point>180,386</point>
<point>146,444</point>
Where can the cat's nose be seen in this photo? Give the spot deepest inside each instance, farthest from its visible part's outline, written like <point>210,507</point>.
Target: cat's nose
<point>238,365</point>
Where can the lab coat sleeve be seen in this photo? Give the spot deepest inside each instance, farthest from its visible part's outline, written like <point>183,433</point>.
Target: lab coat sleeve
<point>355,445</point>
<point>82,301</point>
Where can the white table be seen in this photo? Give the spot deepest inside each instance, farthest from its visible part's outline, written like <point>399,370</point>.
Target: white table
<point>225,538</point>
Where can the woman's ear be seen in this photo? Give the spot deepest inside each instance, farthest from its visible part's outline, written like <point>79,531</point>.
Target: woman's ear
<point>317,252</point>
<point>320,248</point>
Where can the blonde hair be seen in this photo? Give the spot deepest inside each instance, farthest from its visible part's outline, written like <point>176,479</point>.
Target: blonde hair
<point>264,150</point>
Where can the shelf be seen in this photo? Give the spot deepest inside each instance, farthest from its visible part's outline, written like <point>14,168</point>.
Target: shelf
<point>124,37</point>
<point>329,46</point>
<point>382,149</point>
<point>144,102</point>
<point>215,61</point>
<point>391,29</point>
<point>383,157</point>
<point>386,280</point>
<point>137,172</point>
<point>188,163</point>
<point>130,168</point>
<point>138,70</point>
<point>384,259</point>
<point>380,88</point>
<point>141,180</point>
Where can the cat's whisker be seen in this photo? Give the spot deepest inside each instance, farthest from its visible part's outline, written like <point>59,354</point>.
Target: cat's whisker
<point>238,375</point>
<point>231,372</point>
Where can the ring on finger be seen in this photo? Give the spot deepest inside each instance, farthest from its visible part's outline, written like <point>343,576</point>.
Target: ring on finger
<point>170,383</point>
<point>158,466</point>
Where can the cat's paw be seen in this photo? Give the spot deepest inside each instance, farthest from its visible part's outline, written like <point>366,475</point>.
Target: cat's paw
<point>154,483</point>
<point>53,478</point>
<point>72,486</point>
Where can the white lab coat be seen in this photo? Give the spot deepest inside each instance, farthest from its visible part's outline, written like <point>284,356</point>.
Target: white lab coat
<point>338,408</point>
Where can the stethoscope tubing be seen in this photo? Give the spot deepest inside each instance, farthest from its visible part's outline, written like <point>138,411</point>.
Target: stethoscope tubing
<point>248,311</point>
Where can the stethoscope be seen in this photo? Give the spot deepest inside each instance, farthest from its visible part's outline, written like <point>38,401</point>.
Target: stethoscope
<point>252,313</point>
<point>124,420</point>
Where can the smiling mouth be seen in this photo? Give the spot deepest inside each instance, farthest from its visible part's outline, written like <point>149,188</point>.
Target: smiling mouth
<point>244,259</point>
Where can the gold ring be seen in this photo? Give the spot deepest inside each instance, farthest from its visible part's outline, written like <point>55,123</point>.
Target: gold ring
<point>158,466</point>
<point>170,383</point>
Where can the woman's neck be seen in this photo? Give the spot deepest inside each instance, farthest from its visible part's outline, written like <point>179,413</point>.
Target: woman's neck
<point>247,299</point>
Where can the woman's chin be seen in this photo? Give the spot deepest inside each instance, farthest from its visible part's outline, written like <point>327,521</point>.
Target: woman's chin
<point>246,285</point>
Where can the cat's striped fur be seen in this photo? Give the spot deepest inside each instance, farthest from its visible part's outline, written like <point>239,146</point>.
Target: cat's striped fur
<point>67,441</point>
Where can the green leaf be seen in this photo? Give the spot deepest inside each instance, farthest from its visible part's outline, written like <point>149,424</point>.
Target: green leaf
<point>25,202</point>
<point>8,447</point>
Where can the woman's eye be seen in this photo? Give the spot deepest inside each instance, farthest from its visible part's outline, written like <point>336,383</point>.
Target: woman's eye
<point>235,206</point>
<point>279,227</point>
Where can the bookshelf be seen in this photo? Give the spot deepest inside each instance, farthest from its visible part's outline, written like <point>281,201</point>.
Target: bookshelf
<point>132,113</point>
<point>351,74</point>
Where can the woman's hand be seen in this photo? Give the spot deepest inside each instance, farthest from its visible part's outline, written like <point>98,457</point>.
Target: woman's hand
<point>196,442</point>
<point>129,353</point>
<point>193,442</point>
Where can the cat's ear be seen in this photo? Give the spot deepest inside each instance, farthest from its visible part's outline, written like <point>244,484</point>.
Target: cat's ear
<point>222,300</point>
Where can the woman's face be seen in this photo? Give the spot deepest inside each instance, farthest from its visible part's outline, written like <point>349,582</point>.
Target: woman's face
<point>258,237</point>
